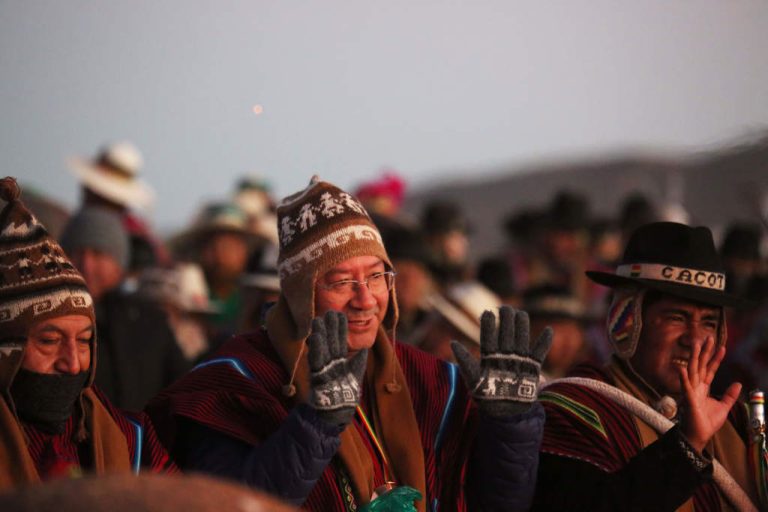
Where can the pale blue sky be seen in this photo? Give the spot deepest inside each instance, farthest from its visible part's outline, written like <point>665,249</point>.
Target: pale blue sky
<point>431,88</point>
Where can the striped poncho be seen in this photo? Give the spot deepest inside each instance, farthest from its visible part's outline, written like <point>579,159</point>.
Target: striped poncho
<point>239,393</point>
<point>584,426</point>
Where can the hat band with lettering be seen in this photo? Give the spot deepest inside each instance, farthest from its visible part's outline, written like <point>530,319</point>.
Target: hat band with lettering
<point>672,274</point>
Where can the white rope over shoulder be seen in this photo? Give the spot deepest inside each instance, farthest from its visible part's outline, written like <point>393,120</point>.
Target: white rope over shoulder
<point>730,488</point>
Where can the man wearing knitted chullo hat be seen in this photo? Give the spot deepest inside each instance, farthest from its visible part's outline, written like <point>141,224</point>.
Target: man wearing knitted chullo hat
<point>53,422</point>
<point>322,408</point>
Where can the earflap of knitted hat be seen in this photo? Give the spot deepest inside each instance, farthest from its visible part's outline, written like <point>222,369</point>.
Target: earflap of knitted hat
<point>37,282</point>
<point>320,227</point>
<point>625,321</point>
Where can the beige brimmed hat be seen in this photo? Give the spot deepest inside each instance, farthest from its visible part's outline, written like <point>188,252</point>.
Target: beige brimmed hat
<point>463,304</point>
<point>114,175</point>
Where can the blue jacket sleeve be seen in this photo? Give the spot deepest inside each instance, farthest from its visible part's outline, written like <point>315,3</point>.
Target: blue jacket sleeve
<point>505,460</point>
<point>287,464</point>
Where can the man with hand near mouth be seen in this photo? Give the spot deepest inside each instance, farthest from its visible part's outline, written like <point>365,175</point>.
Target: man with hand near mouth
<point>608,444</point>
<point>323,408</point>
<point>53,422</point>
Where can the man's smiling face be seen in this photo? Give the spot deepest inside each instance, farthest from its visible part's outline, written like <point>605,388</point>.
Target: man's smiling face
<point>364,305</point>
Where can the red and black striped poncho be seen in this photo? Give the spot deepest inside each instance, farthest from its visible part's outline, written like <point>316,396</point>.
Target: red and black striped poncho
<point>238,392</point>
<point>58,455</point>
<point>586,426</point>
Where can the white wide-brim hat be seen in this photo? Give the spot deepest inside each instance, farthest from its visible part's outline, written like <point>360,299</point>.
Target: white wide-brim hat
<point>113,174</point>
<point>463,304</point>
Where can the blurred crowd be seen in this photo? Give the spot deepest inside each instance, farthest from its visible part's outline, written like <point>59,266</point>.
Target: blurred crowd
<point>163,305</point>
<point>258,344</point>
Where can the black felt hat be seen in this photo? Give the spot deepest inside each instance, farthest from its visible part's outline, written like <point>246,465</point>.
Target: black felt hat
<point>672,258</point>
<point>742,241</point>
<point>568,211</point>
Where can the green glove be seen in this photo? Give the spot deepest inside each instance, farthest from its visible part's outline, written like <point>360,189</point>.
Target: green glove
<point>399,499</point>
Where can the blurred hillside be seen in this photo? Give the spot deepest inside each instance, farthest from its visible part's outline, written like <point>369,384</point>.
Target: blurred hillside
<point>715,188</point>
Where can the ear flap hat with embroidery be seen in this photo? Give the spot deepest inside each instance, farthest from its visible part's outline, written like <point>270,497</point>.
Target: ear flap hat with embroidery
<point>37,282</point>
<point>320,227</point>
<point>672,258</point>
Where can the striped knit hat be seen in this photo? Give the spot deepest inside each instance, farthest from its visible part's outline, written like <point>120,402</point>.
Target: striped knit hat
<point>37,281</point>
<point>319,228</point>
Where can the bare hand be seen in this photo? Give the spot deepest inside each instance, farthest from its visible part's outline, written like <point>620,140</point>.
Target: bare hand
<point>704,415</point>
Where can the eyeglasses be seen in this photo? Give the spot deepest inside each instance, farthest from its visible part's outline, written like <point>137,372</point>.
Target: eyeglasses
<point>377,283</point>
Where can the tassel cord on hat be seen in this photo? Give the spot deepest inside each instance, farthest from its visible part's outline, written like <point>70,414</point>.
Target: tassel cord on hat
<point>289,390</point>
<point>730,488</point>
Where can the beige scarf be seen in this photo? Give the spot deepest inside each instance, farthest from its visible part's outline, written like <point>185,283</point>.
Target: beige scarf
<point>392,410</point>
<point>107,442</point>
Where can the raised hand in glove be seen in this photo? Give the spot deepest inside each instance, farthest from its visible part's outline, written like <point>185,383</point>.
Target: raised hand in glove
<point>506,379</point>
<point>335,381</point>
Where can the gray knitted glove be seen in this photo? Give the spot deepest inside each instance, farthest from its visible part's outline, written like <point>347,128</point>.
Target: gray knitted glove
<point>506,379</point>
<point>334,379</point>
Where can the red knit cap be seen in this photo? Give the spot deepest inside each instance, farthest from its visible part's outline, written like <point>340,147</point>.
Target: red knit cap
<point>320,227</point>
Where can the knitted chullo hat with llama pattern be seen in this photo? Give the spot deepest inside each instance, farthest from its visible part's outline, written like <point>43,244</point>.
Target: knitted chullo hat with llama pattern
<point>37,281</point>
<point>319,228</point>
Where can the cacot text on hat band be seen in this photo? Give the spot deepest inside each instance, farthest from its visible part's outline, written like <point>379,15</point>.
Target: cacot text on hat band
<point>672,274</point>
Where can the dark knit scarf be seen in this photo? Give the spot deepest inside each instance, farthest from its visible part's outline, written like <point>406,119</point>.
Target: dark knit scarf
<point>106,444</point>
<point>46,400</point>
<point>392,410</point>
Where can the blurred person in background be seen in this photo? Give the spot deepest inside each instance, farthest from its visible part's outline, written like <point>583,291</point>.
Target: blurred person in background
<point>260,288</point>
<point>745,270</point>
<point>447,230</point>
<point>221,241</point>
<point>636,210</point>
<point>455,317</point>
<point>138,353</point>
<point>142,493</point>
<point>495,274</point>
<point>523,229</point>
<point>54,422</point>
<point>749,361</point>
<point>182,294</point>
<point>382,198</point>
<point>111,180</point>
<point>565,244</point>
<point>605,242</point>
<point>744,262</point>
<point>558,308</point>
<point>411,258</point>
<point>605,248</point>
<point>253,195</point>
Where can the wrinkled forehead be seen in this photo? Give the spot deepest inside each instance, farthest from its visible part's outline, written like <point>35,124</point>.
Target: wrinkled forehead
<point>66,324</point>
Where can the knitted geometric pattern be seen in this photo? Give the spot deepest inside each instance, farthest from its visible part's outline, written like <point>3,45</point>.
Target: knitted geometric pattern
<point>624,321</point>
<point>319,228</point>
<point>37,281</point>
